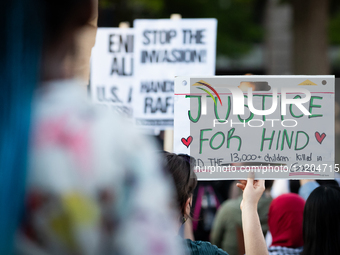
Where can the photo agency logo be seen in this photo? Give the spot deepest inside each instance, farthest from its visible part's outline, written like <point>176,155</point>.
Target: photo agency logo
<point>238,100</point>
<point>203,83</point>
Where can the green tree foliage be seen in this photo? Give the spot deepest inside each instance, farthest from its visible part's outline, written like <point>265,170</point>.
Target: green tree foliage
<point>334,23</point>
<point>239,21</point>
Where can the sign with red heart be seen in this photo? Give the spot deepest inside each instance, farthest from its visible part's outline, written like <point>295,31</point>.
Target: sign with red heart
<point>287,131</point>
<point>187,141</point>
<point>319,137</point>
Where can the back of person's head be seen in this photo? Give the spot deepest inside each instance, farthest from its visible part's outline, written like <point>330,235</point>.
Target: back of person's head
<point>28,29</point>
<point>180,167</point>
<point>285,219</point>
<point>321,222</point>
<point>268,184</point>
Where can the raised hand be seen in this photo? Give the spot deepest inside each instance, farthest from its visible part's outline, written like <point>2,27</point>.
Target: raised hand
<point>252,190</point>
<point>254,242</point>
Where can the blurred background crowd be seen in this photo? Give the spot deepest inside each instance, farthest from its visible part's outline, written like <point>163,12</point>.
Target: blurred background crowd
<point>264,37</point>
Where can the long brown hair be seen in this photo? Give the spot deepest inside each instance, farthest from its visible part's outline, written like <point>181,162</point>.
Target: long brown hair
<point>181,169</point>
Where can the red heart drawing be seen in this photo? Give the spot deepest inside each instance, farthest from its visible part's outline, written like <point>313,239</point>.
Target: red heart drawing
<point>319,137</point>
<point>187,141</point>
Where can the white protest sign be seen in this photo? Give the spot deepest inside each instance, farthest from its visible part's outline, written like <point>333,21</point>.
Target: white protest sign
<point>112,70</point>
<point>276,126</point>
<point>165,49</point>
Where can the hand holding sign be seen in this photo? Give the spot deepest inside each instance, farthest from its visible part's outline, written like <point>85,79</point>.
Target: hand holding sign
<point>271,131</point>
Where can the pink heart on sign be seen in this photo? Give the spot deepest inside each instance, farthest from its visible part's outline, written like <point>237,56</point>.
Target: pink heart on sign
<point>319,137</point>
<point>187,141</point>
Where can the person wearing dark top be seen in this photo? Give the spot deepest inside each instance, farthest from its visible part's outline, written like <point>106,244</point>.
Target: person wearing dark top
<point>180,169</point>
<point>321,221</point>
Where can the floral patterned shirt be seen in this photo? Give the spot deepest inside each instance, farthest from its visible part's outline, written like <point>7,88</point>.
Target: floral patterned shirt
<point>94,184</point>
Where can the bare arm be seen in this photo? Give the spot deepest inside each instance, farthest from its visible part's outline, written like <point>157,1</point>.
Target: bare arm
<point>254,241</point>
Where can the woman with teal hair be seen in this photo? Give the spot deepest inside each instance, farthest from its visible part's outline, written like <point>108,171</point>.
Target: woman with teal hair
<point>20,51</point>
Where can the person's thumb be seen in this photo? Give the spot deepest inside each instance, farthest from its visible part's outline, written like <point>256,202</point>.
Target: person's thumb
<point>250,179</point>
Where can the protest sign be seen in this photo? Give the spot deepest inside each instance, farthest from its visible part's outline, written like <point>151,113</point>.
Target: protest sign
<point>112,70</point>
<point>277,126</point>
<point>165,49</point>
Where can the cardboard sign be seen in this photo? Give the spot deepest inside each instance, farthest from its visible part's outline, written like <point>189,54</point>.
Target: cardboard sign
<point>165,49</point>
<point>276,126</point>
<point>112,69</point>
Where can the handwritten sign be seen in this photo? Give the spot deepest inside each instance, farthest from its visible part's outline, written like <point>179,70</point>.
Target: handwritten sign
<point>165,49</point>
<point>276,126</point>
<point>112,69</point>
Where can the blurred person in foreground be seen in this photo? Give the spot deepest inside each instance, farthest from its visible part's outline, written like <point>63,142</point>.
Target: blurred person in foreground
<point>227,228</point>
<point>180,167</point>
<point>73,180</point>
<point>285,224</point>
